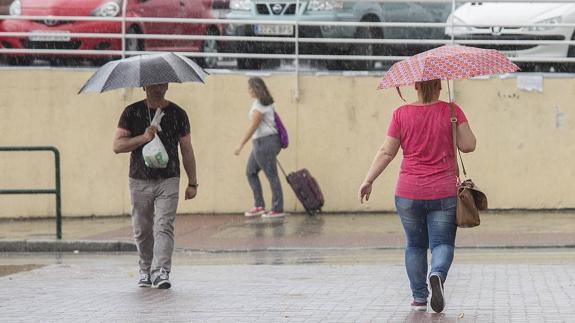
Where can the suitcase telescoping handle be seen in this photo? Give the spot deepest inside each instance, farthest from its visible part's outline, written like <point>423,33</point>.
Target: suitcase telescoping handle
<point>281,168</point>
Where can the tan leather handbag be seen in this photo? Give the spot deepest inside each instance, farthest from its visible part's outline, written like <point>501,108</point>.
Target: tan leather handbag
<point>470,199</point>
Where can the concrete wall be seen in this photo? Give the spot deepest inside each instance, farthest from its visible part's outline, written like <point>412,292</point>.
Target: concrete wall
<point>524,156</point>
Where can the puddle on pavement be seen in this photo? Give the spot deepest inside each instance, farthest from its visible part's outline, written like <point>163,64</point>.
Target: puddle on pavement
<point>6,270</point>
<point>295,257</point>
<point>427,317</point>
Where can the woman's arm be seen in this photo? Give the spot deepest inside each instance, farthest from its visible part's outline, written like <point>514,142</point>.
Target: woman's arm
<point>465,138</point>
<point>256,120</point>
<point>384,156</point>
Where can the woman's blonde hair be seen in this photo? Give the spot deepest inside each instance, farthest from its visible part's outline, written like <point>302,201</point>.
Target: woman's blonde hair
<point>261,90</point>
<point>428,89</point>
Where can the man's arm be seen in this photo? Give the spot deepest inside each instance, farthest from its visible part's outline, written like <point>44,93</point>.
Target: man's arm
<point>125,143</point>
<point>189,161</point>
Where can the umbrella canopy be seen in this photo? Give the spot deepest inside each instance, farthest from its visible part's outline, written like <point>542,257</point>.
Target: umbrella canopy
<point>144,70</point>
<point>448,62</point>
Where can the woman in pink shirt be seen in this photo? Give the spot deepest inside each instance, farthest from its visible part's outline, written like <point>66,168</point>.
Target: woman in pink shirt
<point>425,195</point>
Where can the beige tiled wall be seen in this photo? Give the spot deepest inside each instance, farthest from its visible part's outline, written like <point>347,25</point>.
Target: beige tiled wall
<point>524,158</point>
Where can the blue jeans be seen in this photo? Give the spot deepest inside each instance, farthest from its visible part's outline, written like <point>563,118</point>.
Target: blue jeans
<point>428,224</point>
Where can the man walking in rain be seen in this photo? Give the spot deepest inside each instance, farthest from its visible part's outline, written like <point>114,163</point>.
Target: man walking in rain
<point>155,191</point>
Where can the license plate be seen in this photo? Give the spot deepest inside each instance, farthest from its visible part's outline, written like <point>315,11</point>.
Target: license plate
<point>41,35</point>
<point>274,30</point>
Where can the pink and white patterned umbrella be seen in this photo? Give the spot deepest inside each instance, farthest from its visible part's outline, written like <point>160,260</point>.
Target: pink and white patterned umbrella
<point>448,62</point>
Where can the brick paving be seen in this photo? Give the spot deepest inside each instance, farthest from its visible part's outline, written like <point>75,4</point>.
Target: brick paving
<point>105,291</point>
<point>336,272</point>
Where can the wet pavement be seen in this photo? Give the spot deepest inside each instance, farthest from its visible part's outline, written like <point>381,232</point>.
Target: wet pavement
<point>485,285</point>
<point>515,267</point>
<point>339,231</point>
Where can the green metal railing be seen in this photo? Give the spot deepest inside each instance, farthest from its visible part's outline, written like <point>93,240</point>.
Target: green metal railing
<point>56,190</point>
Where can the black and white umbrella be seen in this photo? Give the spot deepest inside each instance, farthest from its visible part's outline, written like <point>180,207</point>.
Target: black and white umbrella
<point>144,70</point>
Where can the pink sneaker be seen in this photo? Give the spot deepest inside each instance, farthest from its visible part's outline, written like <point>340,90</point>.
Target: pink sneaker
<point>256,211</point>
<point>418,307</point>
<point>273,214</point>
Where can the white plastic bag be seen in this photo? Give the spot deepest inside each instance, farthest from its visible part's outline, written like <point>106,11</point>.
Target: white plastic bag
<point>154,152</point>
<point>155,155</point>
<point>157,119</point>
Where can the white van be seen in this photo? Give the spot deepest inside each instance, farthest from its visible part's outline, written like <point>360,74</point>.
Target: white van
<point>504,21</point>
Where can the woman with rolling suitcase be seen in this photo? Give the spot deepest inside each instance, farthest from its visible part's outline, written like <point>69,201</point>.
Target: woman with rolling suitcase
<point>266,146</point>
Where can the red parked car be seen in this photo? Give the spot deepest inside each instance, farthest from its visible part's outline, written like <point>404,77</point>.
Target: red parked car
<point>109,8</point>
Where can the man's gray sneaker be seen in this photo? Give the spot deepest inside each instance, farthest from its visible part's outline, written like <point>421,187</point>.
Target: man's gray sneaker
<point>145,280</point>
<point>162,280</point>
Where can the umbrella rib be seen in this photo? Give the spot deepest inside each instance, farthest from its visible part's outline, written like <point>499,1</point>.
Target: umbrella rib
<point>175,70</point>
<point>200,74</point>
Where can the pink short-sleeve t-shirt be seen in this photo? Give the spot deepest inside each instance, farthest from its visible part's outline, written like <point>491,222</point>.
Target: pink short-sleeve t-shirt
<point>428,166</point>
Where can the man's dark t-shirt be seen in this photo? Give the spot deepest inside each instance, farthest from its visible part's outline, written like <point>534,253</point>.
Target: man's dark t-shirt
<point>175,124</point>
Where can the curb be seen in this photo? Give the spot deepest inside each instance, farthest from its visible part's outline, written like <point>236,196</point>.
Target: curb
<point>122,246</point>
<point>65,246</point>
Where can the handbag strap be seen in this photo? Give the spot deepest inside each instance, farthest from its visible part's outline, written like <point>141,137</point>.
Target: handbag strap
<point>454,136</point>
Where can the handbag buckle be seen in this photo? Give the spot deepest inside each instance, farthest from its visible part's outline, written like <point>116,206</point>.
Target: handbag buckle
<point>453,120</point>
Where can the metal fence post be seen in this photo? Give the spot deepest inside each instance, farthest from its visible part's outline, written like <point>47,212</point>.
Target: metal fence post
<point>124,8</point>
<point>449,89</point>
<point>296,94</point>
<point>452,19</point>
<point>58,194</point>
<point>58,185</point>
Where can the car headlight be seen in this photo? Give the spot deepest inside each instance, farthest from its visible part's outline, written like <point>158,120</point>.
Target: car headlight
<point>240,5</point>
<point>554,20</point>
<point>109,9</point>
<point>16,8</point>
<point>324,5</point>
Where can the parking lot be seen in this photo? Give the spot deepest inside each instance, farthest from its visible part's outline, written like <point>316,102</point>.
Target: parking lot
<point>247,35</point>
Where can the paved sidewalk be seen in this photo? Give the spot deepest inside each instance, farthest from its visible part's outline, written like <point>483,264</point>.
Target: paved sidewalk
<point>235,232</point>
<point>103,290</point>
